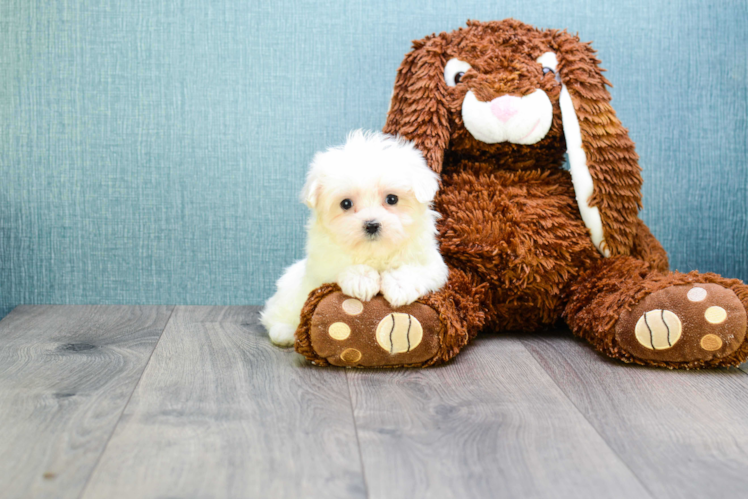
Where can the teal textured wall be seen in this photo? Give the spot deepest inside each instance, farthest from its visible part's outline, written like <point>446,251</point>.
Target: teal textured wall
<point>151,151</point>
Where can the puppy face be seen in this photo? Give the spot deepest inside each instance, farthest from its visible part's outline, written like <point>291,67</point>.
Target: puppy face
<point>372,194</point>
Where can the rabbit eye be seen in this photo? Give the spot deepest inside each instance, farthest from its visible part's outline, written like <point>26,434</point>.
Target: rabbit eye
<point>549,63</point>
<point>454,71</point>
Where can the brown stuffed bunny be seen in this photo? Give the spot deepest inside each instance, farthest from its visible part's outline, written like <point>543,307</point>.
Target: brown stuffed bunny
<point>494,107</point>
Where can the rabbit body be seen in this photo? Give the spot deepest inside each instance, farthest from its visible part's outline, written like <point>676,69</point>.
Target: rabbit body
<point>497,109</point>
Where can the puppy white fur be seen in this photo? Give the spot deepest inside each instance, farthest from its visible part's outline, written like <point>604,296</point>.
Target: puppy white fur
<point>371,230</point>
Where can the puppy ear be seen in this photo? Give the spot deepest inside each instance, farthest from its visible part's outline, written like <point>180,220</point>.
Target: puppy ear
<point>603,162</point>
<point>418,108</point>
<point>311,189</point>
<point>425,185</point>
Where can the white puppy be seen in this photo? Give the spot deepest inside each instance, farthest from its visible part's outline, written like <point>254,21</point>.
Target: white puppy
<point>371,230</point>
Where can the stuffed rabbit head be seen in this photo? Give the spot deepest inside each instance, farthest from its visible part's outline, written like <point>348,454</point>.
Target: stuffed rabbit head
<point>520,97</point>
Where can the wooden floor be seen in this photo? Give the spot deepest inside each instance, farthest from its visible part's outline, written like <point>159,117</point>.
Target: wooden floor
<point>126,401</point>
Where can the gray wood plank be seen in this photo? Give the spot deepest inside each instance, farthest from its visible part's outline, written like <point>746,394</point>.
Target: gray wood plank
<point>683,433</point>
<point>220,412</point>
<point>490,424</point>
<point>66,373</point>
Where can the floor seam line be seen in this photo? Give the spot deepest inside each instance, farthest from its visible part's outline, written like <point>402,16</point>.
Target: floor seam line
<point>620,459</point>
<point>127,403</point>
<point>355,430</point>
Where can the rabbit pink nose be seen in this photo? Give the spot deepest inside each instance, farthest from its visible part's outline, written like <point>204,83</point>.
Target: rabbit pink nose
<point>505,107</point>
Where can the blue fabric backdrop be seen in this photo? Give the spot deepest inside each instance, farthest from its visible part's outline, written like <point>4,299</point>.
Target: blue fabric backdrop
<point>151,151</point>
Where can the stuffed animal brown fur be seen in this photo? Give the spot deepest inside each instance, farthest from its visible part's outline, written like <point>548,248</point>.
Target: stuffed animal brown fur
<point>494,107</point>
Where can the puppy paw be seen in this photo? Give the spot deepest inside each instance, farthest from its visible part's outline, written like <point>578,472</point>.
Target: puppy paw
<point>282,334</point>
<point>402,287</point>
<point>361,282</point>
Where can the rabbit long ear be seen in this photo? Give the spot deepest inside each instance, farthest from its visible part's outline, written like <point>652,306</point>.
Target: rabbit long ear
<point>418,110</point>
<point>602,159</point>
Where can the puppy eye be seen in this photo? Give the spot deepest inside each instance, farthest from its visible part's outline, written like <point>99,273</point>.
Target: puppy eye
<point>547,70</point>
<point>391,199</point>
<point>454,71</point>
<point>346,204</point>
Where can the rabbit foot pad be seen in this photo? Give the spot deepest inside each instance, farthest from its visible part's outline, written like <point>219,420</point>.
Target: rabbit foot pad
<point>684,323</point>
<point>348,332</point>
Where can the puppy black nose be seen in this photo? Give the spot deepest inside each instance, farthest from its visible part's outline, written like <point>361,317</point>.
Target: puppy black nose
<point>372,227</point>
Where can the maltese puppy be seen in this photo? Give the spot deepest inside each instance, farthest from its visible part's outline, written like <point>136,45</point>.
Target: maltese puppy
<point>371,230</point>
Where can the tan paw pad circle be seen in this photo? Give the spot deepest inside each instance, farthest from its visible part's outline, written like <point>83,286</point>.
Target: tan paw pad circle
<point>715,315</point>
<point>399,332</point>
<point>658,329</point>
<point>339,331</point>
<point>352,307</point>
<point>711,342</point>
<point>696,294</point>
<point>350,355</point>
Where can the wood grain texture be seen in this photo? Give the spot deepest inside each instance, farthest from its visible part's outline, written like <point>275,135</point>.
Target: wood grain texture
<point>683,433</point>
<point>490,424</point>
<point>220,412</point>
<point>66,373</point>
